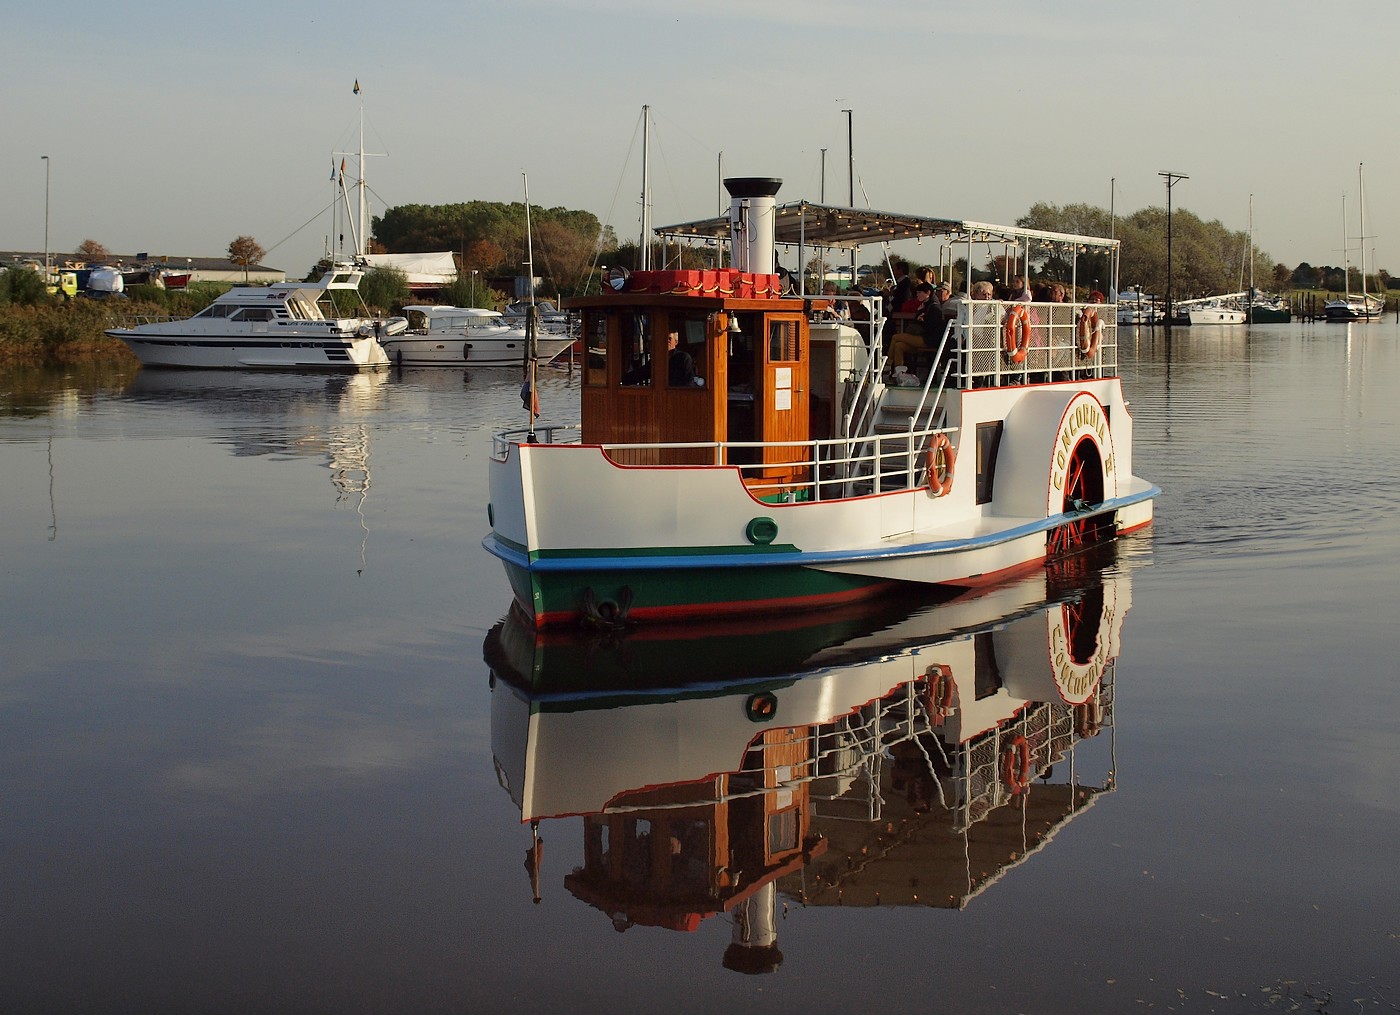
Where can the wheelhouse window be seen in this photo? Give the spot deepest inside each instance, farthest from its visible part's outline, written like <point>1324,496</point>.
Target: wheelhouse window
<point>988,441</point>
<point>254,314</point>
<point>595,371</point>
<point>634,344</point>
<point>686,357</point>
<point>783,346</point>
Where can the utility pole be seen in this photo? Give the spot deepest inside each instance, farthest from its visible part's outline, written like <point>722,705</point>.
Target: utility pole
<point>851,170</point>
<point>1172,179</point>
<point>47,164</point>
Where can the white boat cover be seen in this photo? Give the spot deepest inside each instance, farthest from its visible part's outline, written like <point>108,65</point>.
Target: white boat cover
<point>424,271</point>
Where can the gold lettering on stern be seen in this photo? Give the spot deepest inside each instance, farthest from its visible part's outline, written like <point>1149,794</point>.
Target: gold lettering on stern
<point>1086,418</point>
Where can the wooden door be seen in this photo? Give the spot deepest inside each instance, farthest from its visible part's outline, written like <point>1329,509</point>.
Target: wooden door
<point>784,397</point>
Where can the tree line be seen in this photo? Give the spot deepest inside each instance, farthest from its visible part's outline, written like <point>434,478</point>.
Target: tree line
<point>1207,257</point>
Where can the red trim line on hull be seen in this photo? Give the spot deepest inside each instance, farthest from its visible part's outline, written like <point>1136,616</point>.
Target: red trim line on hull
<point>693,611</point>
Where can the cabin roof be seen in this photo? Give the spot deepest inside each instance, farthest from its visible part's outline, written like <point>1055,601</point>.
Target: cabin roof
<point>824,225</point>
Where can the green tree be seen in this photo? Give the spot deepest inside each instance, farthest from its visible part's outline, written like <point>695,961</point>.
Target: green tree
<point>488,234</point>
<point>22,285</point>
<point>384,290</point>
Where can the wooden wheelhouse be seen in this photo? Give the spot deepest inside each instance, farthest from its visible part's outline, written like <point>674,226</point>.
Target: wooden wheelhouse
<point>737,376</point>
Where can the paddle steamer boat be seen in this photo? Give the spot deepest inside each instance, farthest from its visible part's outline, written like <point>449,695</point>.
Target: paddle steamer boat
<point>776,470</point>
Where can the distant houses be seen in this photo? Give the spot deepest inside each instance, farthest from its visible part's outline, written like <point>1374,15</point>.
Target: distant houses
<point>199,269</point>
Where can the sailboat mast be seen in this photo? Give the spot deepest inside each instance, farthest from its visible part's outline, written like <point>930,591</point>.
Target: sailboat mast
<point>364,199</point>
<point>1361,219</point>
<point>645,260</point>
<point>1346,253</point>
<point>1251,247</point>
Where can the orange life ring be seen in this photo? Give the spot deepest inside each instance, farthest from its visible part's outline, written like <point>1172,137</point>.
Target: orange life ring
<point>940,687</point>
<point>1090,330</point>
<point>1016,765</point>
<point>1017,332</point>
<point>940,485</point>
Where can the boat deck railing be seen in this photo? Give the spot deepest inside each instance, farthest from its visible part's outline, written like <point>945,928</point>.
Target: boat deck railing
<point>777,471</point>
<point>1053,352</point>
<point>137,320</point>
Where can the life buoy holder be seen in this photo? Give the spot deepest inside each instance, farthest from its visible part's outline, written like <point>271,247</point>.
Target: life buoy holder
<point>1016,765</point>
<point>940,481</point>
<point>1017,332</point>
<point>1090,330</point>
<point>940,688</point>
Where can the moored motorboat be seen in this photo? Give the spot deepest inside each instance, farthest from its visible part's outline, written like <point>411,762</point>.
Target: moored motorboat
<point>284,326</point>
<point>1265,309</point>
<point>776,470</point>
<point>465,336</point>
<point>1226,309</point>
<point>1216,313</point>
<point>1354,307</point>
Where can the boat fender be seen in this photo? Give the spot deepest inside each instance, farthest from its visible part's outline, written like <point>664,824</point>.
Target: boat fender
<point>1090,330</point>
<point>364,331</point>
<point>1016,765</point>
<point>940,481</point>
<point>761,707</point>
<point>466,350</point>
<point>1017,332</point>
<point>939,686</point>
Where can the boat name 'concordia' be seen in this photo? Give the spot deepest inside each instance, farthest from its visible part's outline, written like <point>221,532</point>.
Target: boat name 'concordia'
<point>1087,417</point>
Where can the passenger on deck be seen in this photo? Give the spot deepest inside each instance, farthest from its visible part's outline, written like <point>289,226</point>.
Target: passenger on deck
<point>923,292</point>
<point>1017,292</point>
<point>913,334</point>
<point>901,294</point>
<point>836,310</point>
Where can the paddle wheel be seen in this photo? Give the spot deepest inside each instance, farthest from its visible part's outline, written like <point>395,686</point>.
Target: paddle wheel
<point>1083,489</point>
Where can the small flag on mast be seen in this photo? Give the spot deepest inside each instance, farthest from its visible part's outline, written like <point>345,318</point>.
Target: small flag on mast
<point>357,86</point>
<point>332,169</point>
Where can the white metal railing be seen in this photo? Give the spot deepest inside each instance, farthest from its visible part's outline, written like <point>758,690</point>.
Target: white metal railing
<point>1053,352</point>
<point>817,470</point>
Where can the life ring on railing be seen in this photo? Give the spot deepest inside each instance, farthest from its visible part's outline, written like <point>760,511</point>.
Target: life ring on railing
<point>1090,330</point>
<point>940,687</point>
<point>1016,765</point>
<point>940,482</point>
<point>1017,332</point>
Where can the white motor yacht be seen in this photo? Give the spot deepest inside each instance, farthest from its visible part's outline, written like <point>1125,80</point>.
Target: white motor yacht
<point>285,326</point>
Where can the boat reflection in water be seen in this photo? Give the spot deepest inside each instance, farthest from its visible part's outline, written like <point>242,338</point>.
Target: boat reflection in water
<point>871,759</point>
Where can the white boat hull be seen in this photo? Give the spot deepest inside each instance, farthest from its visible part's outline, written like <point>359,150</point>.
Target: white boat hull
<point>272,352</point>
<point>457,351</point>
<point>571,524</point>
<point>1217,315</point>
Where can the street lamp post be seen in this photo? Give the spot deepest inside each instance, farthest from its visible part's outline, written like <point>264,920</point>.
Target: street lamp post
<point>473,271</point>
<point>47,164</point>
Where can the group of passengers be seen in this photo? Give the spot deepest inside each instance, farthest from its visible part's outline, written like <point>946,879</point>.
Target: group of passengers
<point>919,307</point>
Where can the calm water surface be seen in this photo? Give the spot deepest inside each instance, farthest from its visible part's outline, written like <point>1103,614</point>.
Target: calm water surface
<point>254,757</point>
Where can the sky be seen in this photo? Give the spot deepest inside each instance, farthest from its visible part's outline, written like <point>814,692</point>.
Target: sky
<point>172,130</point>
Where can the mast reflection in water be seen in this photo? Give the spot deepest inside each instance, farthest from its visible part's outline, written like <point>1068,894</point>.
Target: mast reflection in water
<point>873,758</point>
